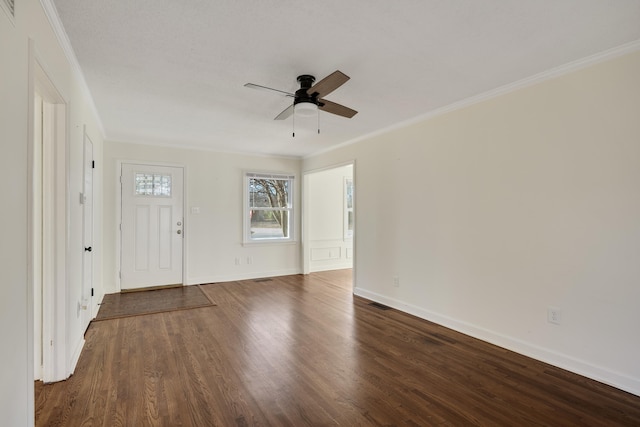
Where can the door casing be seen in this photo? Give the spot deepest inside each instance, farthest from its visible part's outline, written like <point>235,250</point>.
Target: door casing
<point>119,207</point>
<point>306,195</point>
<point>87,231</point>
<point>48,215</point>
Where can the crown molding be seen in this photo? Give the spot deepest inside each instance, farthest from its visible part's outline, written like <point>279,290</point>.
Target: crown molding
<point>193,147</point>
<point>552,73</point>
<point>61,35</point>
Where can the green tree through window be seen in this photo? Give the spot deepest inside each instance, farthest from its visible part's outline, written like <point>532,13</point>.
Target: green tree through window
<point>270,206</point>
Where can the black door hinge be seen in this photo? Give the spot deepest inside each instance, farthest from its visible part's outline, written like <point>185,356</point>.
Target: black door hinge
<point>91,291</point>
<point>93,164</point>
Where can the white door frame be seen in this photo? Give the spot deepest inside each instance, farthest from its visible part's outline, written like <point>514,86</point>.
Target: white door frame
<point>54,217</point>
<point>118,207</point>
<point>88,215</point>
<point>35,215</point>
<point>306,250</point>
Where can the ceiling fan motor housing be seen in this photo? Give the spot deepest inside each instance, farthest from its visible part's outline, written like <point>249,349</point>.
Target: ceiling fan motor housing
<point>306,81</point>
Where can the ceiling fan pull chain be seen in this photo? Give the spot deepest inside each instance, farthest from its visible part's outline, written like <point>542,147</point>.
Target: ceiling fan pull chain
<point>318,122</point>
<point>294,121</point>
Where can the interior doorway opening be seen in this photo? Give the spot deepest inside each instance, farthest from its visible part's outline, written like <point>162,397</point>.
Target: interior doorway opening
<point>329,219</point>
<point>47,225</point>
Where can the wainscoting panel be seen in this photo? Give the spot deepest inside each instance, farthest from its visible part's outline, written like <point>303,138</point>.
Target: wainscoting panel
<point>324,254</point>
<point>330,254</point>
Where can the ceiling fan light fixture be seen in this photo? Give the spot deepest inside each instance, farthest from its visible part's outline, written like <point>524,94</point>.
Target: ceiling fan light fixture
<point>310,98</point>
<point>306,109</point>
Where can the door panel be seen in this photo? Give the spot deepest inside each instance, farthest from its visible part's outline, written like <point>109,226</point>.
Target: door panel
<point>165,237</point>
<point>151,231</point>
<point>87,233</point>
<point>141,242</point>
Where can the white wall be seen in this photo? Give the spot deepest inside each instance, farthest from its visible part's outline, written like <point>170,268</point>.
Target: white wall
<point>15,403</point>
<point>329,249</point>
<point>16,371</point>
<point>491,213</point>
<point>213,238</point>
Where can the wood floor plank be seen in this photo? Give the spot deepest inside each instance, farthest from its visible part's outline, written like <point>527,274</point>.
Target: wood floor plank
<point>302,350</point>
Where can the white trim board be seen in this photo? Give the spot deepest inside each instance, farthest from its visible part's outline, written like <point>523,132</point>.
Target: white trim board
<point>195,147</point>
<point>75,357</point>
<point>499,91</point>
<point>329,267</point>
<point>581,367</point>
<point>61,35</point>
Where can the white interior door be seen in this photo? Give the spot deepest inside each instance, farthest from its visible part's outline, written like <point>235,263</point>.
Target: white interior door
<point>87,232</point>
<point>152,226</point>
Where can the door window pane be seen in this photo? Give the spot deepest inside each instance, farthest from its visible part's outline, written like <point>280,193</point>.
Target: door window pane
<point>147,184</point>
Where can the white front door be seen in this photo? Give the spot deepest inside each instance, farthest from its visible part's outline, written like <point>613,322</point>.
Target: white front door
<point>87,233</point>
<point>152,226</point>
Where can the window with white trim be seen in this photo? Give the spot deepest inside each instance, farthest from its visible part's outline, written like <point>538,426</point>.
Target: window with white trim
<point>348,208</point>
<point>268,207</point>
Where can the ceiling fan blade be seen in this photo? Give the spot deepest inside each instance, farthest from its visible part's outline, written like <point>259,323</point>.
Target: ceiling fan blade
<point>327,85</point>
<point>286,113</point>
<point>333,108</point>
<point>259,87</point>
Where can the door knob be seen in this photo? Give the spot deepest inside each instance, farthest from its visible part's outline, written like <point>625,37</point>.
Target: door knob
<point>89,249</point>
<point>179,231</point>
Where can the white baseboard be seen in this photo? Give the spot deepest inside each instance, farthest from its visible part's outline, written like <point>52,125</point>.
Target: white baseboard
<point>74,358</point>
<point>340,266</point>
<point>241,276</point>
<point>569,363</point>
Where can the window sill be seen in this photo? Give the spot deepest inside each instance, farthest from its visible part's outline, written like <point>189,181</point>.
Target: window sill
<point>269,242</point>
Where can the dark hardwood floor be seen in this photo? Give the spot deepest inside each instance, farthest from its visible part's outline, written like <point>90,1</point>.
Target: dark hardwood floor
<point>301,350</point>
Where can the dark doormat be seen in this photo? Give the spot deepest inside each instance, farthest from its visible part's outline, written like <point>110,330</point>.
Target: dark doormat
<point>128,304</point>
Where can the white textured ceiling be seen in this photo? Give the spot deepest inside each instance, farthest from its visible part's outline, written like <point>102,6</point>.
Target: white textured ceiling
<point>172,72</point>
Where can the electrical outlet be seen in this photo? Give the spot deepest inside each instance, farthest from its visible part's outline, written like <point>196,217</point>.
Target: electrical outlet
<point>396,281</point>
<point>554,315</point>
<point>237,261</point>
<point>249,260</point>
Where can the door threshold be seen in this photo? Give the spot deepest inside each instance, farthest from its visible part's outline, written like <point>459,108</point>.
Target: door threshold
<point>151,288</point>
